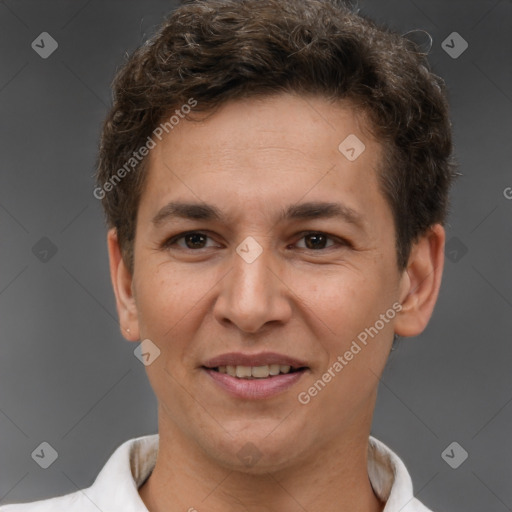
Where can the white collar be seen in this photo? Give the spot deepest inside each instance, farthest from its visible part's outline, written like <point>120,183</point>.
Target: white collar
<point>133,461</point>
<point>116,486</point>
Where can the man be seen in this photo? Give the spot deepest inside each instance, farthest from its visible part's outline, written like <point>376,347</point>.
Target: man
<point>275,176</point>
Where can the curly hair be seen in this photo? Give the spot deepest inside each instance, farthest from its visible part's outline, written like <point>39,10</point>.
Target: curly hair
<point>208,52</point>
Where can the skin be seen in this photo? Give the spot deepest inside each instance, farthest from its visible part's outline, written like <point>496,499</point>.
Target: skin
<point>251,158</point>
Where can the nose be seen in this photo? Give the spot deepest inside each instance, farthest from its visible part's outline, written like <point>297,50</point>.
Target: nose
<point>253,294</point>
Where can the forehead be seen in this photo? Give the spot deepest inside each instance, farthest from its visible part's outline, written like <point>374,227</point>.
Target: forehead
<point>264,153</point>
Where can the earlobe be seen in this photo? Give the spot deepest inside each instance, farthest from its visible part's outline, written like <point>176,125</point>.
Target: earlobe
<point>122,285</point>
<point>421,281</point>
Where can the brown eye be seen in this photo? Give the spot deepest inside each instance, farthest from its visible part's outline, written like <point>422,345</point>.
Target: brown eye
<point>316,241</point>
<point>193,240</point>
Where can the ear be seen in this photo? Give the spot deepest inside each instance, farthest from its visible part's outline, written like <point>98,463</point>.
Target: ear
<point>122,284</point>
<point>420,282</point>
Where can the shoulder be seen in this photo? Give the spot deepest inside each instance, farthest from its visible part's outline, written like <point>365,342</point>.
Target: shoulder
<point>115,487</point>
<point>415,505</point>
<point>74,501</point>
<point>391,480</point>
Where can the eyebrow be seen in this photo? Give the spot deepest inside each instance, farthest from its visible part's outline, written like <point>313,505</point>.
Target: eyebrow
<point>303,211</point>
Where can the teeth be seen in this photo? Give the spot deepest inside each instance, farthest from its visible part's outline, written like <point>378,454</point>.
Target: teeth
<point>243,371</point>
<point>256,372</point>
<point>260,371</point>
<point>274,369</point>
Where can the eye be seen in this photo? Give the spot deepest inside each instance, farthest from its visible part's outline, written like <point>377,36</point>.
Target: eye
<point>197,240</point>
<point>192,240</point>
<point>317,241</point>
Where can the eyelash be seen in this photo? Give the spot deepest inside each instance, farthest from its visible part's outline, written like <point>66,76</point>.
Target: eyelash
<point>167,244</point>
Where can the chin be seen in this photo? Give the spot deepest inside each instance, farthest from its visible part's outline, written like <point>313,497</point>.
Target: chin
<point>251,452</point>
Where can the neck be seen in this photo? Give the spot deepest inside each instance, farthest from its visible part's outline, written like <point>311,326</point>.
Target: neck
<point>333,478</point>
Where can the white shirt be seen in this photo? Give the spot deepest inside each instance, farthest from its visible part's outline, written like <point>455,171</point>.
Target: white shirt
<point>115,488</point>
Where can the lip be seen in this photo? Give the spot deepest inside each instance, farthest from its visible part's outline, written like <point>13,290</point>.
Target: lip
<point>254,389</point>
<point>261,359</point>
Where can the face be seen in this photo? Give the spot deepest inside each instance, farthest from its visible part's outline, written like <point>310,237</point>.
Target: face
<point>259,273</point>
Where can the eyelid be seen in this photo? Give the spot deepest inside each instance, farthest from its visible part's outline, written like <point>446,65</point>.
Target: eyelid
<point>339,241</point>
<point>168,242</point>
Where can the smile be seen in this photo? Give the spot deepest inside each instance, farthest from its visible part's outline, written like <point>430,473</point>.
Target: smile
<point>256,372</point>
<point>254,376</point>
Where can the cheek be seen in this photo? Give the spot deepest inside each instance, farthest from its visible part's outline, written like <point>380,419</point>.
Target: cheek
<point>347,307</point>
<point>343,299</point>
<point>165,299</point>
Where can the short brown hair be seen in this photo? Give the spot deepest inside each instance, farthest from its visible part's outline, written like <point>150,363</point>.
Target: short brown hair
<point>215,51</point>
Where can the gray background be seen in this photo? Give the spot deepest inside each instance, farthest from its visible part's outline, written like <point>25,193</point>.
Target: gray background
<point>67,376</point>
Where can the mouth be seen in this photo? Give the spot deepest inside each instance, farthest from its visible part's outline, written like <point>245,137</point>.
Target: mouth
<point>255,376</point>
<point>256,372</point>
